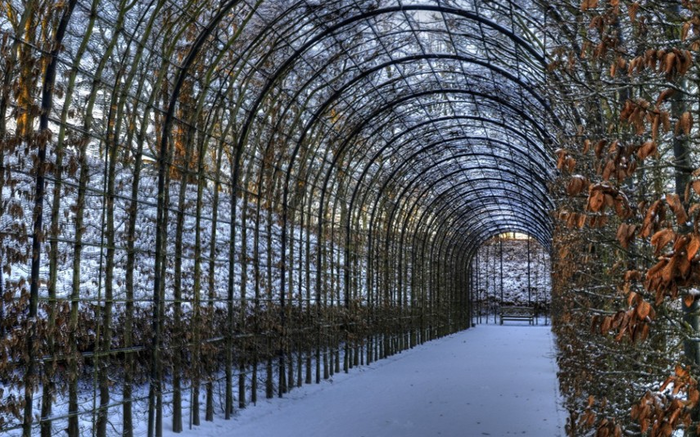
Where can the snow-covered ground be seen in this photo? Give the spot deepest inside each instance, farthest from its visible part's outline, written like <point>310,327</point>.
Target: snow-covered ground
<point>491,380</point>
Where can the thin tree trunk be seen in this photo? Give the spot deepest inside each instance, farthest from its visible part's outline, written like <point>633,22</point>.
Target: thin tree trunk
<point>179,342</point>
<point>269,384</point>
<point>73,365</point>
<point>244,301</point>
<point>212,252</point>
<point>27,82</point>
<point>104,381</point>
<point>209,407</point>
<point>129,360</point>
<point>49,385</point>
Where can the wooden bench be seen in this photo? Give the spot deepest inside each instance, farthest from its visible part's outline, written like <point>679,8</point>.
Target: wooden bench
<point>518,313</point>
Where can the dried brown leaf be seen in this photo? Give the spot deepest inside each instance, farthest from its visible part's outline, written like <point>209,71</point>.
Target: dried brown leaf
<point>684,30</point>
<point>665,94</point>
<point>696,186</point>
<point>693,246</point>
<point>684,124</point>
<point>654,271</point>
<point>646,149</point>
<point>577,185</point>
<point>625,234</point>
<point>668,273</point>
<point>596,200</point>
<point>586,146</point>
<point>633,275</point>
<point>643,310</point>
<point>660,239</point>
<point>674,201</point>
<point>561,157</point>
<point>600,145</point>
<point>608,170</point>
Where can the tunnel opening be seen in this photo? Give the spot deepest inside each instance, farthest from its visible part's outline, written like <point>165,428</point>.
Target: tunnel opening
<point>511,270</point>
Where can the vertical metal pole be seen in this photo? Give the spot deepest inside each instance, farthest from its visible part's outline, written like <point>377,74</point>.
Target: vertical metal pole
<point>478,285</point>
<point>543,275</point>
<point>493,286</point>
<point>539,277</point>
<point>529,285</point>
<point>500,253</point>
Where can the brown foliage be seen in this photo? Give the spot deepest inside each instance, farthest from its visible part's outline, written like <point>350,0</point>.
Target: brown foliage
<point>625,234</point>
<point>660,414</point>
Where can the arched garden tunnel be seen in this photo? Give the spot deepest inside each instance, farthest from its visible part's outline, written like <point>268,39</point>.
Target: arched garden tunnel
<point>228,199</point>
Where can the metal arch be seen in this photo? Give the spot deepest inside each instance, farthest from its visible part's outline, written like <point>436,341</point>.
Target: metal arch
<point>503,188</point>
<point>452,139</point>
<point>428,208</point>
<point>468,249</point>
<point>408,217</point>
<point>528,212</point>
<point>537,223</point>
<point>238,151</point>
<point>455,156</point>
<point>511,209</point>
<point>491,231</point>
<point>498,100</point>
<point>436,121</point>
<point>228,6</point>
<point>489,66</point>
<point>389,143</point>
<point>391,105</point>
<point>526,195</point>
<point>543,234</point>
<point>318,113</point>
<point>473,249</point>
<point>429,187</point>
<point>379,11</point>
<point>407,98</point>
<point>246,126</point>
<point>487,230</point>
<point>430,56</point>
<point>329,101</point>
<point>524,198</point>
<point>536,220</point>
<point>366,73</point>
<point>350,219</point>
<point>429,122</point>
<point>435,213</point>
<point>536,177</point>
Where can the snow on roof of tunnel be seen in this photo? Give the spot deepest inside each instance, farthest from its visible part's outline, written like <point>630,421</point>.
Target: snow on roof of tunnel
<point>430,104</point>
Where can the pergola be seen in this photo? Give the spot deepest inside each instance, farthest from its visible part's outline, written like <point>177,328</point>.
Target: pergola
<point>284,178</point>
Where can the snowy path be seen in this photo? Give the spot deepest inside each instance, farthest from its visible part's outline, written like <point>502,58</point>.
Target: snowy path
<point>491,380</point>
